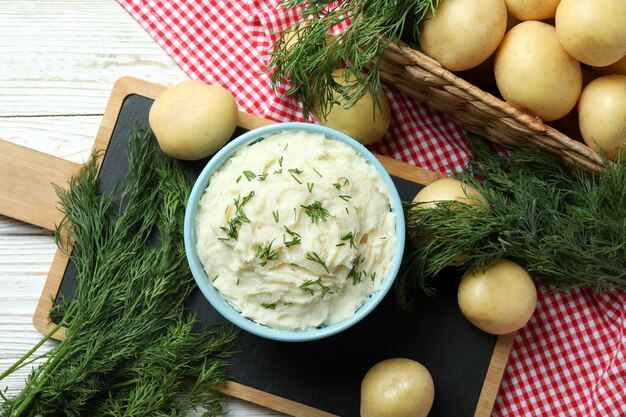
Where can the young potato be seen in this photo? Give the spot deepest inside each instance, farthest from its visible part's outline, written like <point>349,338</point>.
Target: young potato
<point>192,120</point>
<point>592,31</point>
<point>532,9</point>
<point>542,80</point>
<point>397,387</point>
<point>461,34</point>
<point>361,121</point>
<point>449,189</point>
<point>602,114</point>
<point>499,299</point>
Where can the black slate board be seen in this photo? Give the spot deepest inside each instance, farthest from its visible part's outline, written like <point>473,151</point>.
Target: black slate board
<point>326,374</point>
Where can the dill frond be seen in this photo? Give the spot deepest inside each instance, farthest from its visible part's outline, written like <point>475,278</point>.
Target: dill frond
<point>130,346</point>
<point>565,226</point>
<point>305,67</point>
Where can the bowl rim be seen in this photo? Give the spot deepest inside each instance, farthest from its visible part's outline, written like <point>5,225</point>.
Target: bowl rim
<point>214,297</point>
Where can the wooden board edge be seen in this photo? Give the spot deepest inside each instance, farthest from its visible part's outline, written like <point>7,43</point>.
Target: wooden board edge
<point>271,401</point>
<point>126,86</point>
<point>493,378</point>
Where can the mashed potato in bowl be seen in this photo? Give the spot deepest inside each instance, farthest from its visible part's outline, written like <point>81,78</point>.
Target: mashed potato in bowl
<point>296,230</point>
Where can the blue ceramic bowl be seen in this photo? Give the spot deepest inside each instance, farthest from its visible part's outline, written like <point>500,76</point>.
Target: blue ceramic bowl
<point>205,284</point>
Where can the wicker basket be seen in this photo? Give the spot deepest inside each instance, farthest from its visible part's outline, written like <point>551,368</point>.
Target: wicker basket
<point>479,112</point>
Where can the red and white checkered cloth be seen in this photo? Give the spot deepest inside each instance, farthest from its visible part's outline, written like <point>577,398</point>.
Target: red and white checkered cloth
<point>568,360</point>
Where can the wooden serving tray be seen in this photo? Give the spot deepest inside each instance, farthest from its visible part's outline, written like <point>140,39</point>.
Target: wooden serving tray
<point>312,379</point>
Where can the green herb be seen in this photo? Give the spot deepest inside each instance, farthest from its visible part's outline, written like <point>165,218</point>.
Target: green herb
<point>294,172</point>
<point>249,175</point>
<point>270,306</point>
<point>266,253</point>
<point>280,161</point>
<point>563,225</point>
<point>339,185</point>
<point>306,286</point>
<point>305,67</point>
<point>316,212</point>
<point>276,216</point>
<point>318,174</point>
<point>127,319</point>
<point>296,238</point>
<point>350,238</point>
<point>355,275</point>
<point>309,186</point>
<point>312,256</point>
<point>262,177</point>
<point>240,217</point>
<point>344,197</point>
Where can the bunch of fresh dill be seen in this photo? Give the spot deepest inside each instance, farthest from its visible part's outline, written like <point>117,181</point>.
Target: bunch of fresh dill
<point>565,226</point>
<point>130,348</point>
<point>304,57</point>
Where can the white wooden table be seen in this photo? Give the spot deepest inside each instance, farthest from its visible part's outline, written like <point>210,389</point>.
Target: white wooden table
<point>58,62</point>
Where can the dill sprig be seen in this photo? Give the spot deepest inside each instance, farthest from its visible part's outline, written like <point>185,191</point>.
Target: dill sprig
<point>305,67</point>
<point>296,239</point>
<point>266,253</point>
<point>306,286</point>
<point>312,256</point>
<point>564,225</point>
<point>240,217</point>
<point>127,319</point>
<point>316,212</point>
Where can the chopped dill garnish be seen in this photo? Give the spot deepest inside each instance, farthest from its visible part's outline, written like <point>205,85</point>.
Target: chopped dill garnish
<point>249,175</point>
<point>344,197</point>
<point>276,216</point>
<point>309,186</point>
<point>317,172</point>
<point>312,256</point>
<point>316,212</point>
<point>278,171</point>
<point>262,177</point>
<point>306,286</point>
<point>373,276</point>
<point>294,172</point>
<point>350,238</point>
<point>338,185</point>
<point>280,161</point>
<point>269,306</point>
<point>357,276</point>
<point>266,253</point>
<point>232,230</point>
<point>296,238</point>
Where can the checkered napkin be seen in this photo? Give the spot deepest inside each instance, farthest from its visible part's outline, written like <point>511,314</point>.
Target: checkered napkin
<point>569,359</point>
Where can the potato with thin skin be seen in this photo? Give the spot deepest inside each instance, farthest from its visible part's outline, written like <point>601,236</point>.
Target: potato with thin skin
<point>592,31</point>
<point>367,120</point>
<point>532,9</point>
<point>499,299</point>
<point>602,114</point>
<point>448,189</point>
<point>193,120</point>
<point>535,74</point>
<point>461,34</point>
<point>397,387</point>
